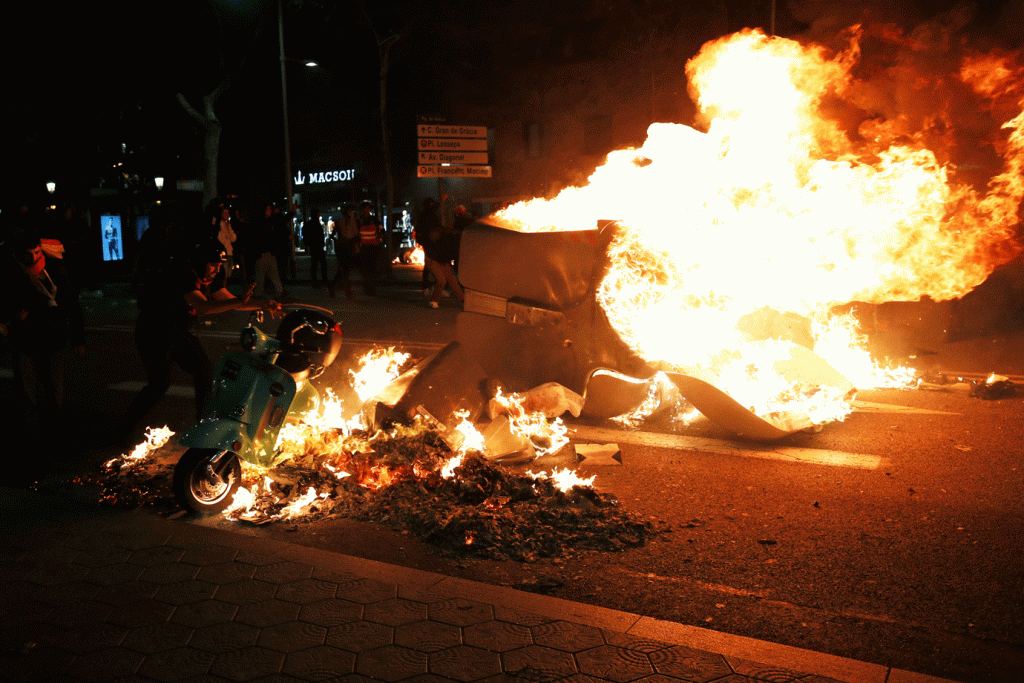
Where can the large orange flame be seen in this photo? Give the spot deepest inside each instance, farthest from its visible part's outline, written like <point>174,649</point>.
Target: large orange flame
<point>780,211</point>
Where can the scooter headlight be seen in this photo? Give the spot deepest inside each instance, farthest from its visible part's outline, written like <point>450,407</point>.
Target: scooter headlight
<point>249,339</point>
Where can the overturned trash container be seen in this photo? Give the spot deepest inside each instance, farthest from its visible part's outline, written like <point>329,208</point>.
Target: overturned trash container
<point>440,389</point>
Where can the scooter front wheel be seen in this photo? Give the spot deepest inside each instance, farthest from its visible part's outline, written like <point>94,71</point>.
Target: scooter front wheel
<point>205,479</point>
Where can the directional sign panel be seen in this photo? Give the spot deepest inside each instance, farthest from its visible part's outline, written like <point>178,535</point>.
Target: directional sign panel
<point>446,131</point>
<point>453,157</point>
<point>453,144</point>
<point>431,171</point>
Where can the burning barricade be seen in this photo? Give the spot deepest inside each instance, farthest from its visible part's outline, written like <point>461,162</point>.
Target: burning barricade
<point>436,479</point>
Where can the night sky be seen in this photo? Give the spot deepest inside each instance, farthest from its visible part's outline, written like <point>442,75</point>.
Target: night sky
<point>90,77</point>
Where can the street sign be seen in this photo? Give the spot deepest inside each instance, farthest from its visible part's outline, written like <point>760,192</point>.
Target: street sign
<point>430,171</point>
<point>453,144</point>
<point>453,157</point>
<point>446,131</point>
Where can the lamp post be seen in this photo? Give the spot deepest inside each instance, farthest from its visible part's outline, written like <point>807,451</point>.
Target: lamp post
<point>284,101</point>
<point>284,105</point>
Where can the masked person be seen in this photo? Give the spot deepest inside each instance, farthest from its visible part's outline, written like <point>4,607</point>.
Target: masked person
<point>41,319</point>
<point>170,303</point>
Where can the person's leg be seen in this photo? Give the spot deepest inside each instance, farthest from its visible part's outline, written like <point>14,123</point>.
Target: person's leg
<point>154,352</point>
<point>437,271</point>
<point>188,353</point>
<point>453,282</point>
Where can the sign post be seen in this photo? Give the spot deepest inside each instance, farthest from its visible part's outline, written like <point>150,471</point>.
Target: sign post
<point>449,151</point>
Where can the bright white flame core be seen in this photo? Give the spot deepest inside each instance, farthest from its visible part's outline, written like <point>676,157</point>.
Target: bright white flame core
<point>777,212</point>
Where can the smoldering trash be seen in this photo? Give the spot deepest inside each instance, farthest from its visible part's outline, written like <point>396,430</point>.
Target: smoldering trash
<point>408,479</point>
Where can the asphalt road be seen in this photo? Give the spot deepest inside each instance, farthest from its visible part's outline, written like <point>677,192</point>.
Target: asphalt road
<point>894,537</point>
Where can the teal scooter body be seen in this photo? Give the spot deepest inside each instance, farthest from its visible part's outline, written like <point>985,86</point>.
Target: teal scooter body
<point>254,394</point>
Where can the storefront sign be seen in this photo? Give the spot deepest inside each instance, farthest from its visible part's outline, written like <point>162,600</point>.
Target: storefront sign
<point>323,177</point>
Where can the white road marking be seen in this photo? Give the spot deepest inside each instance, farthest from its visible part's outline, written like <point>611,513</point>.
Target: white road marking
<point>869,407</point>
<point>808,456</point>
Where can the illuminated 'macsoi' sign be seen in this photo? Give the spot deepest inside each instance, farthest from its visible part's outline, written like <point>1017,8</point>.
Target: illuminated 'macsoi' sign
<point>319,177</point>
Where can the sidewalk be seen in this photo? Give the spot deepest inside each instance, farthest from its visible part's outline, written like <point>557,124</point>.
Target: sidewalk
<point>104,595</point>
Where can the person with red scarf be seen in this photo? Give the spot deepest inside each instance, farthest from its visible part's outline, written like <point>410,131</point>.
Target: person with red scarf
<point>41,319</point>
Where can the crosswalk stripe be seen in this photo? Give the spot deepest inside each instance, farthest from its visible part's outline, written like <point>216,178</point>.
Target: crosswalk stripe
<point>807,456</point>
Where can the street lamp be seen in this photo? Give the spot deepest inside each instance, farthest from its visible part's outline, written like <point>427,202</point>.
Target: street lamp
<point>51,186</point>
<point>284,102</point>
<point>159,182</point>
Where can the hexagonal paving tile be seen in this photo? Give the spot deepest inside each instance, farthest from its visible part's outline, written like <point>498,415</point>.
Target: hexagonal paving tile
<point>184,592</point>
<point>538,663</point>
<point>53,573</point>
<point>204,555</point>
<point>203,613</point>
<point>359,636</point>
<point>224,637</point>
<point>105,665</point>
<point>169,573</point>
<point>246,591</point>
<point>93,637</point>
<point>107,575</point>
<point>460,612</point>
<point>176,664</point>
<point>428,636</point>
<point>61,593</point>
<point>141,539</point>
<point>256,558</point>
<point>633,642</point>
<point>465,663</point>
<point>38,664</point>
<point>267,613</point>
<point>763,672</point>
<point>306,590</point>
<point>391,663</point>
<point>567,635</point>
<point>247,664</point>
<point>141,613</point>
<point>79,614</point>
<point>395,612</point>
<point>283,572</point>
<point>157,637</point>
<point>226,572</point>
<point>320,663</point>
<point>499,636</point>
<point>127,592</point>
<point>331,612</point>
<point>688,664</point>
<point>614,663</point>
<point>99,557</point>
<point>366,591</point>
<point>291,636</point>
<point>149,557</point>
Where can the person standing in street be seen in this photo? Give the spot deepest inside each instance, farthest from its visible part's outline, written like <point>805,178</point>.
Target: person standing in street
<point>261,244</point>
<point>437,256</point>
<point>369,249</point>
<point>346,247</point>
<point>225,233</point>
<point>313,239</point>
<point>170,303</point>
<point>41,319</point>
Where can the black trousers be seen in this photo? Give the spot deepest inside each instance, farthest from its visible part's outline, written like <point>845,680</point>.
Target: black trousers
<point>159,345</point>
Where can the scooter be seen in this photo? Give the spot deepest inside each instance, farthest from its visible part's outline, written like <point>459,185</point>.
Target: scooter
<point>255,392</point>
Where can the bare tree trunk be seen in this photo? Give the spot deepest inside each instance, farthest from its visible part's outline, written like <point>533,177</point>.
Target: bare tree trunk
<point>211,145</point>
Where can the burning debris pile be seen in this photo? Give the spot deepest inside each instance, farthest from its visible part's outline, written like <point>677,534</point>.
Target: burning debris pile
<point>407,476</point>
<point>409,481</point>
